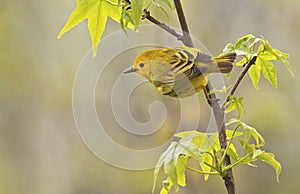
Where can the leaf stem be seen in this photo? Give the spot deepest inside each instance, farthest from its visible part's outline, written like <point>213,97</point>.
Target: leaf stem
<point>211,166</point>
<point>201,172</point>
<point>236,163</point>
<point>230,141</point>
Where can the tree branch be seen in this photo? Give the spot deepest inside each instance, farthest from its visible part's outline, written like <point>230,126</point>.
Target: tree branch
<point>211,98</point>
<point>218,111</point>
<point>238,81</point>
<point>219,117</point>
<point>148,16</point>
<point>187,40</point>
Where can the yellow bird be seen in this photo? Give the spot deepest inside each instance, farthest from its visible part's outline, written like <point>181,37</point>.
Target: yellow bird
<point>180,71</point>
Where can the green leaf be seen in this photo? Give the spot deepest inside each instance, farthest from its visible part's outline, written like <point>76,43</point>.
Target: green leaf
<point>229,134</point>
<point>252,41</point>
<point>209,143</point>
<point>270,159</point>
<point>162,159</point>
<point>170,170</point>
<point>232,152</point>
<point>126,19</point>
<point>250,148</point>
<point>137,9</point>
<point>235,104</point>
<point>181,164</point>
<point>197,137</point>
<point>96,12</point>
<point>241,62</point>
<point>287,65</point>
<point>241,46</point>
<point>268,70</point>
<point>254,73</point>
<point>281,56</point>
<point>169,159</point>
<point>257,153</point>
<point>202,145</point>
<point>251,131</point>
<point>206,159</point>
<point>229,48</point>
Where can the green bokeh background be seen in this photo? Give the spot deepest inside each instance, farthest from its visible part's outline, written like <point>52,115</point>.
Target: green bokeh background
<point>40,148</point>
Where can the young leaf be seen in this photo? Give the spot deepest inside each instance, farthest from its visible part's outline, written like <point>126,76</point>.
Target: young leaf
<point>169,159</point>
<point>270,159</point>
<point>170,170</point>
<point>209,143</point>
<point>251,131</point>
<point>241,46</point>
<point>257,152</point>
<point>207,159</point>
<point>229,133</point>
<point>254,73</point>
<point>280,56</point>
<point>160,163</point>
<point>232,152</point>
<point>137,8</point>
<point>242,62</point>
<point>250,148</point>
<point>228,48</point>
<point>235,104</point>
<point>96,12</point>
<point>180,169</point>
<point>268,70</point>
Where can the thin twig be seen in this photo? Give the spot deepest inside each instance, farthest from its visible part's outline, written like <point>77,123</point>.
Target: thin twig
<point>238,81</point>
<point>148,16</point>
<point>201,172</point>
<point>230,142</point>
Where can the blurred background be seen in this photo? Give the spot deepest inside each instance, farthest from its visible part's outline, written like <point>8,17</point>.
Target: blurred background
<point>40,148</point>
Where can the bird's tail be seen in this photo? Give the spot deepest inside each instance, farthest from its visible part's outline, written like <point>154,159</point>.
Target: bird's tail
<point>225,62</point>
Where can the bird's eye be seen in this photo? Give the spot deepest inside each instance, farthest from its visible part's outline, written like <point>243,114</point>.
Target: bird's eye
<point>141,64</point>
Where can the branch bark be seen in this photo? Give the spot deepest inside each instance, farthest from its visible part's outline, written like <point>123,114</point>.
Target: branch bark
<point>187,40</point>
<point>148,16</point>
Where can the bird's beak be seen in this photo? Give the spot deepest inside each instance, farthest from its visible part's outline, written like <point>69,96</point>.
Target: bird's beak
<point>130,70</point>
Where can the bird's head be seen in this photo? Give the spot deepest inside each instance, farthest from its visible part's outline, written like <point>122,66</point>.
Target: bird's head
<point>143,64</point>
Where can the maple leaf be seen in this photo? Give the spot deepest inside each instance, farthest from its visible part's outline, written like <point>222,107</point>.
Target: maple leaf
<point>96,12</point>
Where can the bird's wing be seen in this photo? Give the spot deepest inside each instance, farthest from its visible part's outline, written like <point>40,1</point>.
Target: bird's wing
<point>163,78</point>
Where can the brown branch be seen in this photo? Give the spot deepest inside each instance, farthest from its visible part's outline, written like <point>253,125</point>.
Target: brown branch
<point>187,40</point>
<point>148,16</point>
<point>238,81</point>
<point>219,117</point>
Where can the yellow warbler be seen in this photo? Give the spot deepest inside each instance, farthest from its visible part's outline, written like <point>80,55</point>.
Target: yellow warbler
<point>180,71</point>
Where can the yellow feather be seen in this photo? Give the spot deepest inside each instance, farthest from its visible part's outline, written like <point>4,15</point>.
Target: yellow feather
<point>180,71</point>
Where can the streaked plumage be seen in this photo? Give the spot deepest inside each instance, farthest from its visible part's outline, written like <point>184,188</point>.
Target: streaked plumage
<point>180,71</point>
